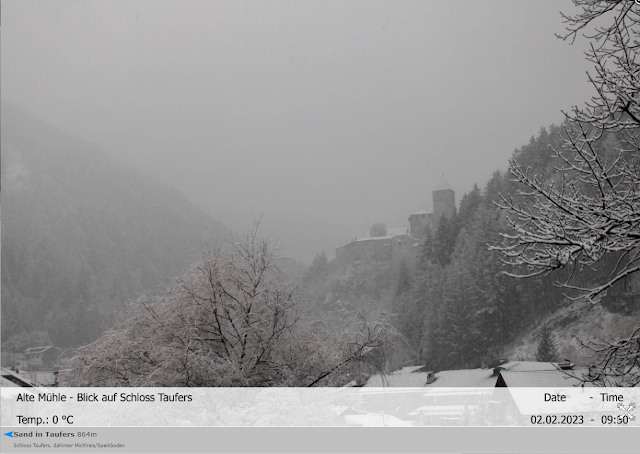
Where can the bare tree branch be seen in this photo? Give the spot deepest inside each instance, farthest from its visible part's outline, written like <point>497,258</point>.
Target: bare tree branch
<point>231,320</point>
<point>587,215</point>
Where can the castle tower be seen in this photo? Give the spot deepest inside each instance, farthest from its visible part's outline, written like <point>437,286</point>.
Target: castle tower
<point>444,201</point>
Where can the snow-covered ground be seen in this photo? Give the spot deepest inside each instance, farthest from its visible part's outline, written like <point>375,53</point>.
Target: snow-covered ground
<point>575,321</point>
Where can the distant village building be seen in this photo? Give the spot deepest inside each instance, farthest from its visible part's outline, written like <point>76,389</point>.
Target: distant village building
<point>402,242</point>
<point>44,356</point>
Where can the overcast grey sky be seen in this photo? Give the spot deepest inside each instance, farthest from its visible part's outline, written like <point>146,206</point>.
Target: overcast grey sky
<point>323,116</point>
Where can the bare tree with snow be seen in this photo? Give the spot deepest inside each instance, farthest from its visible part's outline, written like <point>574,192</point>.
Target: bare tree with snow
<point>590,212</point>
<point>231,320</point>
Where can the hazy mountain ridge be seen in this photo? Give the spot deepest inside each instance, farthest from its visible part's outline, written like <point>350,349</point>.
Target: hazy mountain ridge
<point>82,233</point>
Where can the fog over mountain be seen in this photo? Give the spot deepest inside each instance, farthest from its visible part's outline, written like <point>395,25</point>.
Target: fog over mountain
<point>412,157</point>
<point>324,117</point>
<point>82,234</point>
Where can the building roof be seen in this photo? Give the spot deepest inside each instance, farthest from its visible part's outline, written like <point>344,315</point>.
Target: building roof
<point>37,350</point>
<point>15,378</point>
<point>407,377</point>
<point>442,186</point>
<point>6,383</point>
<point>410,369</point>
<point>375,238</point>
<point>404,380</point>
<point>538,379</point>
<point>392,232</point>
<point>484,377</point>
<point>464,378</point>
<point>419,212</point>
<point>527,366</point>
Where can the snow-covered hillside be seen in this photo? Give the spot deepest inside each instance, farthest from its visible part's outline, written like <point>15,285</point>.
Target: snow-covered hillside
<point>579,321</point>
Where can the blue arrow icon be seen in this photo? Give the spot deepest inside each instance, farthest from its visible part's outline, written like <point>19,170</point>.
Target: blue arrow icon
<point>9,434</point>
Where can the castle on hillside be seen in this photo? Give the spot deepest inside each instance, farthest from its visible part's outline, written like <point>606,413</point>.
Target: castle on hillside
<point>402,242</point>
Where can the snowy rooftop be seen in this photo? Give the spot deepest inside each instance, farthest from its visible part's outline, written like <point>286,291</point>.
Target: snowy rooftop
<point>467,378</point>
<point>540,378</point>
<point>369,238</point>
<point>485,377</point>
<point>464,377</point>
<point>37,350</point>
<point>406,380</point>
<point>14,377</point>
<point>406,377</point>
<point>408,370</point>
<point>526,366</point>
<point>391,232</point>
<point>442,185</point>
<point>6,383</point>
<point>421,212</point>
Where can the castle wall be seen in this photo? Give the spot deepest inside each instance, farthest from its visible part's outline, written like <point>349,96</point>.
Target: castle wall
<point>418,223</point>
<point>377,249</point>
<point>407,246</point>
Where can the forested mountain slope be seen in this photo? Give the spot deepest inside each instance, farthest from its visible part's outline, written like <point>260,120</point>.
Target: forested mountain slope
<point>455,305</point>
<point>578,322</point>
<point>81,234</point>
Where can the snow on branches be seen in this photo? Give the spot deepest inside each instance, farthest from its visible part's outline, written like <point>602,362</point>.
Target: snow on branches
<point>588,213</point>
<point>614,52</point>
<point>231,320</point>
<point>591,206</point>
<point>616,362</point>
